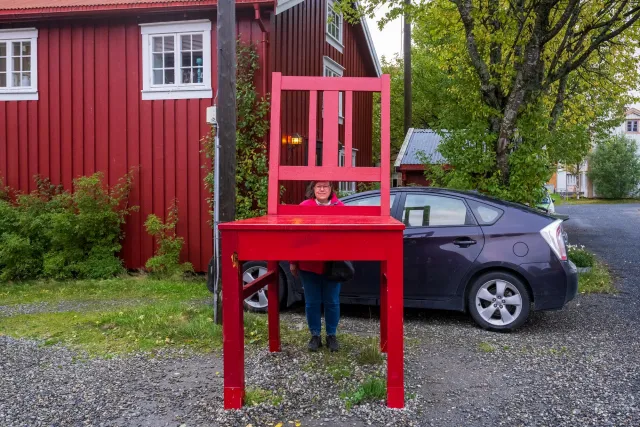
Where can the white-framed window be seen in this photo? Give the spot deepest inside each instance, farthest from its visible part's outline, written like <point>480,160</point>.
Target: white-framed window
<point>333,69</point>
<point>18,64</point>
<point>632,125</point>
<point>176,60</point>
<point>347,187</point>
<point>335,23</point>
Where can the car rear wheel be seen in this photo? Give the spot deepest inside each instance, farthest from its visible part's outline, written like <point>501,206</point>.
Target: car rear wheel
<point>499,301</point>
<point>258,302</point>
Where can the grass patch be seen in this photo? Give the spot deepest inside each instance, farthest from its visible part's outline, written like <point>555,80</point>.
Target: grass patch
<point>558,200</point>
<point>596,281</point>
<point>130,329</point>
<point>372,389</point>
<point>370,353</point>
<point>485,347</point>
<point>123,288</point>
<point>255,396</point>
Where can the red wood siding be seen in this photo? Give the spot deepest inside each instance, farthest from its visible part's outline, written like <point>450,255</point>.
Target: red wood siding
<point>90,117</point>
<point>298,47</point>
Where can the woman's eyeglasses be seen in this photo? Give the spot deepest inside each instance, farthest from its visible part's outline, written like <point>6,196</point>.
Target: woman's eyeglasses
<point>322,187</point>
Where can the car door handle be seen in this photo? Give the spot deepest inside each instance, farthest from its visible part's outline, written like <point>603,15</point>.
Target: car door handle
<point>464,242</point>
<point>415,236</point>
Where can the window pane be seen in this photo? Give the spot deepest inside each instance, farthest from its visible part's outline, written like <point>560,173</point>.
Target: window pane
<point>198,75</point>
<point>16,64</point>
<point>628,125</point>
<point>169,77</point>
<point>157,77</point>
<point>186,42</point>
<point>16,48</point>
<point>3,49</point>
<point>426,210</point>
<point>157,44</point>
<point>26,48</point>
<point>197,59</point>
<point>186,59</point>
<point>26,79</point>
<point>485,214</point>
<point>26,64</point>
<point>369,201</point>
<point>186,75</point>
<point>3,79</point>
<point>197,42</point>
<point>16,79</point>
<point>168,44</point>
<point>168,60</point>
<point>157,60</point>
<point>3,64</point>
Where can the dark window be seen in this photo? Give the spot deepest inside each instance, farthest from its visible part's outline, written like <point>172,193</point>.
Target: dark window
<point>425,210</point>
<point>485,214</point>
<point>368,201</point>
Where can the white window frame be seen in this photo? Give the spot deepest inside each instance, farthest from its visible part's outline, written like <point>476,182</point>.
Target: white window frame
<point>20,93</point>
<point>331,66</point>
<point>347,186</point>
<point>177,90</point>
<point>632,126</point>
<point>333,41</point>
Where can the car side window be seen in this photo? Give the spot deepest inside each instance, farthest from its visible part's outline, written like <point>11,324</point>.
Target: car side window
<point>426,210</point>
<point>368,201</point>
<point>485,214</point>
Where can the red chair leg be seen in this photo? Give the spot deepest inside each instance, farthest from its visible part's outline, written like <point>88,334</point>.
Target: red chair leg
<point>273,297</point>
<point>232,324</point>
<point>395,349</point>
<point>383,306</point>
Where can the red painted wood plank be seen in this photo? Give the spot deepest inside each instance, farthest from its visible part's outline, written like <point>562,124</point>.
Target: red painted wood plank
<point>348,127</point>
<point>134,223</point>
<point>169,152</point>
<point>33,142</point>
<point>329,173</point>
<point>102,100</point>
<point>55,160</point>
<point>3,141</point>
<point>315,210</point>
<point>23,145</point>
<point>385,143</point>
<point>206,245</point>
<point>89,111</point>
<point>330,128</point>
<point>313,115</point>
<point>159,203</point>
<point>194,196</point>
<point>274,160</point>
<point>13,177</point>
<point>146,175</point>
<point>360,84</point>
<point>66,147</point>
<point>117,104</point>
<point>182,173</point>
<point>43,101</point>
<point>77,55</point>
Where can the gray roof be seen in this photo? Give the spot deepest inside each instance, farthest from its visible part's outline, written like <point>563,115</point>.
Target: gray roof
<point>419,141</point>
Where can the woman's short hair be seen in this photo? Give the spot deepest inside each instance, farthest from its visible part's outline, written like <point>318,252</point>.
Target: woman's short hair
<point>310,194</point>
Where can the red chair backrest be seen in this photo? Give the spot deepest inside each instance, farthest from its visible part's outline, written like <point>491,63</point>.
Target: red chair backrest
<point>329,171</point>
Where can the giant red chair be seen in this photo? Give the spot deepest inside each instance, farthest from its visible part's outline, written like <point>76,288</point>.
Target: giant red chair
<point>314,233</point>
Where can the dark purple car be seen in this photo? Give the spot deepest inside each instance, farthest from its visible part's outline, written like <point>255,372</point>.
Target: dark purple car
<point>462,251</point>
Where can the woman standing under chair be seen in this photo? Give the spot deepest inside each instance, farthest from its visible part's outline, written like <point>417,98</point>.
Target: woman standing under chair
<point>318,289</point>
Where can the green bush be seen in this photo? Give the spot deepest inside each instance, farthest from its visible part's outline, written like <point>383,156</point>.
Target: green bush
<point>57,234</point>
<point>580,257</point>
<point>166,261</point>
<point>614,168</point>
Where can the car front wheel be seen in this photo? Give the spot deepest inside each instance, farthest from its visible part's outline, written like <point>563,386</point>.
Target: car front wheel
<point>499,301</point>
<point>258,302</point>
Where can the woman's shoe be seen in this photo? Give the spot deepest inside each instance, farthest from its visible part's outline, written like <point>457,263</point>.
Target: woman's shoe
<point>332,343</point>
<point>314,343</point>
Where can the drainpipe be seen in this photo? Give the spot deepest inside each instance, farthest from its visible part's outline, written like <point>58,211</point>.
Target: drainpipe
<point>265,43</point>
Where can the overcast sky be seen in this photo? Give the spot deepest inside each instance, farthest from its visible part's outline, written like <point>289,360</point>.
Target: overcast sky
<point>388,41</point>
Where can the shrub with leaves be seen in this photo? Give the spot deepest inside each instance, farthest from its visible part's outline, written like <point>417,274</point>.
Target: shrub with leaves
<point>166,261</point>
<point>580,256</point>
<point>614,167</point>
<point>4,191</point>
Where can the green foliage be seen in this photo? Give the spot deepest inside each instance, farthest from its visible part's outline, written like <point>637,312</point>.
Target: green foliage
<point>485,347</point>
<point>598,280</point>
<point>372,389</point>
<point>614,167</point>
<point>511,98</point>
<point>370,353</point>
<point>580,256</point>
<point>255,396</point>
<point>166,260</point>
<point>251,150</point>
<point>4,191</point>
<point>58,234</point>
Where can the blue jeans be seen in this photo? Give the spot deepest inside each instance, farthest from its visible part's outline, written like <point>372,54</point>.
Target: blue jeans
<point>318,290</point>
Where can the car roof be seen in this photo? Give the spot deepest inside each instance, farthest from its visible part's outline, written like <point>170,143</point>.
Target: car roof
<point>468,194</point>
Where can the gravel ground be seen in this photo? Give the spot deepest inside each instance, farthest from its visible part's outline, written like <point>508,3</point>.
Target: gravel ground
<point>574,367</point>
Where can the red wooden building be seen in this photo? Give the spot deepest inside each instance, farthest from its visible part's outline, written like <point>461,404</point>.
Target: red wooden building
<point>108,85</point>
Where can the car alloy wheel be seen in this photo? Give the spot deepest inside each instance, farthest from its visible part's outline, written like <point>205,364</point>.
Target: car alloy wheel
<point>499,302</point>
<point>259,302</point>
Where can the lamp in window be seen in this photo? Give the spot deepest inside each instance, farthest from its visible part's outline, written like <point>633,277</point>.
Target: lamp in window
<point>294,139</point>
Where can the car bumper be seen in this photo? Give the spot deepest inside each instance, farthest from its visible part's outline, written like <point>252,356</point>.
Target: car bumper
<point>553,285</point>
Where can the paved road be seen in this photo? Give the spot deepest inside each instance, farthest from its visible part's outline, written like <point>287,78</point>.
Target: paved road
<point>574,367</point>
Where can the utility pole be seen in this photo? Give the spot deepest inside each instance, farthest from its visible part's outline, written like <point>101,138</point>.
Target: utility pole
<point>226,117</point>
<point>407,67</point>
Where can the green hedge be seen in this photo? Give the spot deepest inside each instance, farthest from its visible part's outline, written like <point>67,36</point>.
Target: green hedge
<point>53,233</point>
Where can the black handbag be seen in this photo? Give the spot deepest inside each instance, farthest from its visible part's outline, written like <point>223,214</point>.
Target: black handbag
<point>339,271</point>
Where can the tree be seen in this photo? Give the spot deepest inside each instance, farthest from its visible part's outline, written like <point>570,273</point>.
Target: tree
<point>615,167</point>
<point>513,81</point>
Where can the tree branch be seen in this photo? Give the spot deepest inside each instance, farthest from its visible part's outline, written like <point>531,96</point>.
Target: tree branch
<point>568,12</point>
